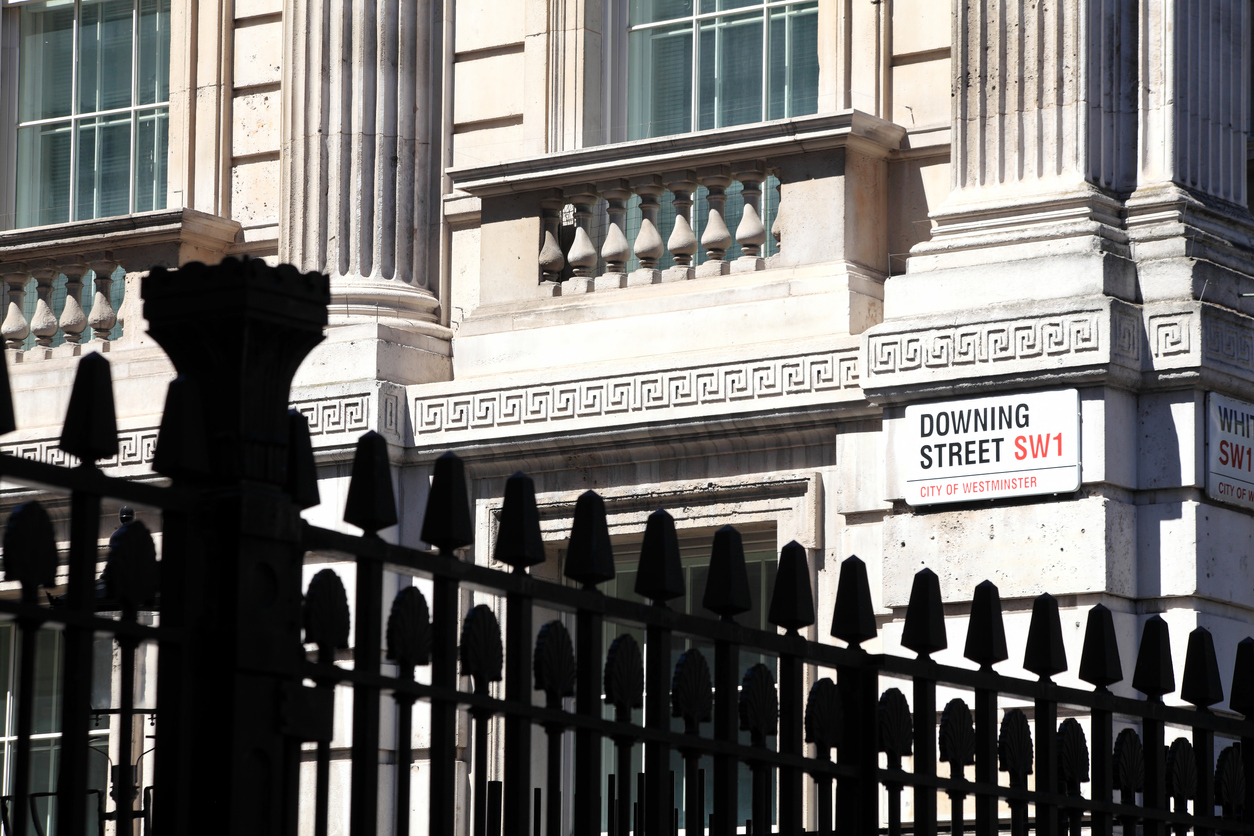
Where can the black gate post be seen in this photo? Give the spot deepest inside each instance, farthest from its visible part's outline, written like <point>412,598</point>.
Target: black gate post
<point>232,569</point>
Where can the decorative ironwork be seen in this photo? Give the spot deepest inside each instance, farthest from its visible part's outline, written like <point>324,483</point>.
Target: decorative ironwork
<point>692,692</point>
<point>555,663</point>
<point>241,468</point>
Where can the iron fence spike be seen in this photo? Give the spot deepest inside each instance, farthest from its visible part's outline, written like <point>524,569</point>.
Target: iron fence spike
<point>1241,699</point>
<point>792,603</point>
<point>986,634</point>
<point>590,556</point>
<point>447,523</point>
<point>924,631</point>
<point>853,620</point>
<point>1099,660</point>
<point>181,441</point>
<point>1200,684</point>
<point>90,431</point>
<point>302,474</point>
<point>371,503</point>
<point>659,575</point>
<point>1154,675</point>
<point>1045,654</point>
<point>518,539</point>
<point>727,585</point>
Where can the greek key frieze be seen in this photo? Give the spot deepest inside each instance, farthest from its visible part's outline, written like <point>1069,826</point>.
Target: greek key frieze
<point>987,342</point>
<point>337,415</point>
<point>768,379</point>
<point>136,447</point>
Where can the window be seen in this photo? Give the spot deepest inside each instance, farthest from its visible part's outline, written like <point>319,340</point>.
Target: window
<point>753,60</point>
<point>45,725</point>
<point>761,558</point>
<point>92,109</point>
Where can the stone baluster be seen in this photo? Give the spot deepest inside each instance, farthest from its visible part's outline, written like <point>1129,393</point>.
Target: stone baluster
<point>715,237</point>
<point>103,317</point>
<point>73,319</point>
<point>616,250</point>
<point>682,242</point>
<point>583,254</point>
<point>649,246</point>
<point>552,262</point>
<point>15,328</point>
<point>43,323</point>
<point>750,233</point>
<point>776,229</point>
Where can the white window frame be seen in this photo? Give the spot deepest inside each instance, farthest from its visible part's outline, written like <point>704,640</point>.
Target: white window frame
<point>10,30</point>
<point>616,34</point>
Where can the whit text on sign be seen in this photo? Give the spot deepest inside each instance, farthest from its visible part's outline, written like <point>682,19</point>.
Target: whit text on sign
<point>991,448</point>
<point>1230,448</point>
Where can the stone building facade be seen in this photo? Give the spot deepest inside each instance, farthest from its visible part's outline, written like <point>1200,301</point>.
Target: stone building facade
<point>695,254</point>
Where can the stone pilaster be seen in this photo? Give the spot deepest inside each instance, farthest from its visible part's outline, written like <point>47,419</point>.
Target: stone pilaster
<point>362,85</point>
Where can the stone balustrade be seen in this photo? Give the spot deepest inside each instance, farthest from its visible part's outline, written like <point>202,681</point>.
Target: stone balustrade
<point>604,216</point>
<point>55,262</point>
<point>679,208</point>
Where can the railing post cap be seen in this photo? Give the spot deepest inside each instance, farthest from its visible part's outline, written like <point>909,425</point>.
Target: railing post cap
<point>924,631</point>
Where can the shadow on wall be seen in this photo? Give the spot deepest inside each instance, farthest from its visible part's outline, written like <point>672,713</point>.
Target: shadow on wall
<point>1160,466</point>
<point>908,209</point>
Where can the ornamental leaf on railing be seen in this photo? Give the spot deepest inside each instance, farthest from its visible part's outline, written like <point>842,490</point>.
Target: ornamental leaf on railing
<point>481,650</point>
<point>957,737</point>
<point>1129,764</point>
<point>692,692</point>
<point>624,677</point>
<point>554,664</point>
<point>1014,748</point>
<point>409,629</point>
<point>1073,756</point>
<point>825,718</point>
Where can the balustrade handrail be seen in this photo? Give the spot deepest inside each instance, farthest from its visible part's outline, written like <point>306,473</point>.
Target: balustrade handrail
<point>777,138</point>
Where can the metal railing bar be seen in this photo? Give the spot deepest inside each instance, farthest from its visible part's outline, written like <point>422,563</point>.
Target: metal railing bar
<point>607,728</point>
<point>823,655</point>
<point>68,618</point>
<point>91,481</point>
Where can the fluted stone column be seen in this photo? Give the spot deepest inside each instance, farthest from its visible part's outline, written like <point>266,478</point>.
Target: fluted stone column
<point>1044,130</point>
<point>362,86</point>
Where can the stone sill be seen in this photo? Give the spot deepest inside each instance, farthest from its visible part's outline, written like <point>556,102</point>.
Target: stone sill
<point>162,237</point>
<point>648,156</point>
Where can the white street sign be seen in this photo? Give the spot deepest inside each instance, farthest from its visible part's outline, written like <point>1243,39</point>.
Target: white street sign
<point>991,448</point>
<point>1230,450</point>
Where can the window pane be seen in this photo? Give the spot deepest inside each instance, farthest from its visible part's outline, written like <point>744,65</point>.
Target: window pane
<point>103,182</point>
<point>151,158</point>
<point>104,54</point>
<point>652,11</point>
<point>47,49</point>
<point>43,174</point>
<point>154,51</point>
<point>660,81</point>
<point>47,704</point>
<point>794,63</point>
<point>731,68</point>
<point>726,5</point>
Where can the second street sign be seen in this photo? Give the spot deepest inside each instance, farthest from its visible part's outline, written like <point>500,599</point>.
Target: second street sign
<point>991,448</point>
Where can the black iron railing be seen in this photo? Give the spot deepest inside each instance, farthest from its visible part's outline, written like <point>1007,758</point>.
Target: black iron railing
<point>234,710</point>
<point>989,727</point>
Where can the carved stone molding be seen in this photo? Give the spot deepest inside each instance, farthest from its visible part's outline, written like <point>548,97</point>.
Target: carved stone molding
<point>337,417</point>
<point>135,447</point>
<point>741,386</point>
<point>1004,342</point>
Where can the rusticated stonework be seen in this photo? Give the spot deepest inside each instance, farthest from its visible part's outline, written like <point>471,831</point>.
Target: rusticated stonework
<point>750,384</point>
